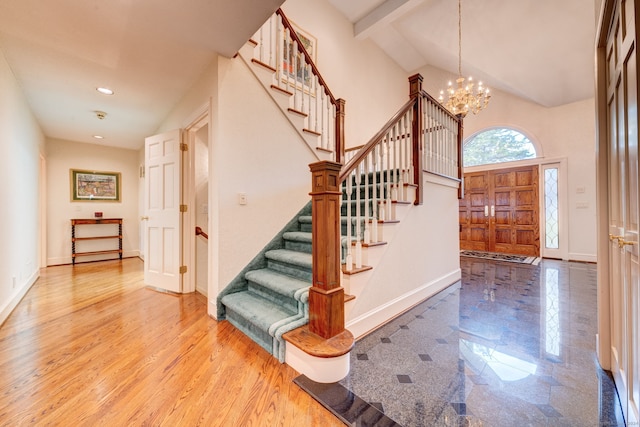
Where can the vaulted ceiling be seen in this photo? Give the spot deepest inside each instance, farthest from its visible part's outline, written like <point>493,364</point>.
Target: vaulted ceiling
<point>151,51</point>
<point>540,50</point>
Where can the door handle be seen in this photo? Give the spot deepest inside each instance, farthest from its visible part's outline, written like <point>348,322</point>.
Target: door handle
<point>486,210</point>
<point>144,218</point>
<point>612,237</point>
<point>622,243</point>
<point>493,210</point>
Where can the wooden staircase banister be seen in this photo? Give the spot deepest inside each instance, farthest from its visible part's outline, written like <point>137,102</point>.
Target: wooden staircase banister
<point>307,57</point>
<point>366,148</point>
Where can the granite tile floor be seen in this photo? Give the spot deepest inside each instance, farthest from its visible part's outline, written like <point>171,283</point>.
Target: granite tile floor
<point>508,345</point>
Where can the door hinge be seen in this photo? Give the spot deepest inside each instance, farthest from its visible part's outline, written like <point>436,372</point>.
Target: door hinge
<point>184,147</point>
<point>183,269</point>
<point>183,208</point>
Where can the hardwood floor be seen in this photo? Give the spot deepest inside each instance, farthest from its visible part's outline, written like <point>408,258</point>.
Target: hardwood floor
<point>90,345</point>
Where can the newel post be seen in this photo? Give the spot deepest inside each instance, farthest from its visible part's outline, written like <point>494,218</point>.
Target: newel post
<point>326,296</point>
<point>417,131</point>
<point>340,113</point>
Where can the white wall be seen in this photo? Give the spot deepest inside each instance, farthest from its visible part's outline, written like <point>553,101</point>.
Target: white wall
<point>201,165</point>
<point>65,155</point>
<point>567,131</point>
<point>420,259</point>
<point>372,84</point>
<point>21,142</point>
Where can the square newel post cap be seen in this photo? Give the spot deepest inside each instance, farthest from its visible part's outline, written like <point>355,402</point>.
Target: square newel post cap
<point>325,177</point>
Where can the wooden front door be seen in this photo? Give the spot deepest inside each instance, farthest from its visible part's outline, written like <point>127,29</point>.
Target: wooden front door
<point>621,81</point>
<point>500,211</point>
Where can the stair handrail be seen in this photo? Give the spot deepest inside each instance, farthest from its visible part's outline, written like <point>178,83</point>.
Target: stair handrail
<point>383,168</point>
<point>338,103</point>
<point>375,140</point>
<point>307,56</point>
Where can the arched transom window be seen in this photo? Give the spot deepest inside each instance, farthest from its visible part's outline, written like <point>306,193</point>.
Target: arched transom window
<point>497,146</point>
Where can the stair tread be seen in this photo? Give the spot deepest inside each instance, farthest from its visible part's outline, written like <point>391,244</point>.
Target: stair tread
<point>300,259</point>
<point>304,219</point>
<point>278,282</point>
<point>297,236</point>
<point>255,309</point>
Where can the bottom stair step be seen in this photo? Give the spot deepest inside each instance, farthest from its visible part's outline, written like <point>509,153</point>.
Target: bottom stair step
<point>254,315</point>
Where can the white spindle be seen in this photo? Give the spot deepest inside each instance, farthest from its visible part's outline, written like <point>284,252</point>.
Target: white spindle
<point>387,194</point>
<point>367,200</point>
<point>374,199</point>
<point>358,248</point>
<point>349,257</point>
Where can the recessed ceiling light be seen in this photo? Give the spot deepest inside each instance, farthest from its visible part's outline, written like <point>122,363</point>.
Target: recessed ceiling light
<point>98,136</point>
<point>104,90</point>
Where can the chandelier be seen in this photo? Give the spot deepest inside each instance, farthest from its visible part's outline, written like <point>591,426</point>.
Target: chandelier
<point>464,98</point>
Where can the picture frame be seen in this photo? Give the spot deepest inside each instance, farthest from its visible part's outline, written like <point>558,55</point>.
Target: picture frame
<point>93,186</point>
<point>302,79</point>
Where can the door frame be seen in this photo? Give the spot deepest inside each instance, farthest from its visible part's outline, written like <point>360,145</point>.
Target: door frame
<point>198,119</point>
<point>563,251</point>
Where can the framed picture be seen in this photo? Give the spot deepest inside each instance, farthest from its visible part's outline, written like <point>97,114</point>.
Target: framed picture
<point>293,62</point>
<point>89,186</point>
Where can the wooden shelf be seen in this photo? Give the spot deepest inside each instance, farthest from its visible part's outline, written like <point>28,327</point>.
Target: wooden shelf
<point>95,221</point>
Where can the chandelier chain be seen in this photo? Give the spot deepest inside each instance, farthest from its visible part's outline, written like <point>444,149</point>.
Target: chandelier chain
<point>466,96</point>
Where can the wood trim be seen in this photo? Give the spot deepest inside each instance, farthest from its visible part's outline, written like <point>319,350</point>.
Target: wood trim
<point>415,91</point>
<point>326,296</point>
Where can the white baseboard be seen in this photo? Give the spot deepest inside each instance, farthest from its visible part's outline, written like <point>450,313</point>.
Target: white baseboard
<point>369,321</point>
<point>11,304</point>
<point>583,257</point>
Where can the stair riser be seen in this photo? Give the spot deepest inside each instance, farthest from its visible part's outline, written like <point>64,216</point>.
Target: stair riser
<point>290,269</point>
<point>284,301</point>
<point>298,246</point>
<point>250,330</point>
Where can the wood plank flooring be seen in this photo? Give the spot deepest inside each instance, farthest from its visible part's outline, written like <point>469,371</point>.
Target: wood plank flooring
<point>90,345</point>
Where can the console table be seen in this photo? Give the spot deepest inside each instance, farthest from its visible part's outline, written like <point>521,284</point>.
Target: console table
<point>93,221</point>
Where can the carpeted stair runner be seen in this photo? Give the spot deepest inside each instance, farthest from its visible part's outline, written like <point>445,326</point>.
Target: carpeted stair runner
<point>270,296</point>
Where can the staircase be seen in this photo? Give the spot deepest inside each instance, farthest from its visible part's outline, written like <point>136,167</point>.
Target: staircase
<point>270,297</point>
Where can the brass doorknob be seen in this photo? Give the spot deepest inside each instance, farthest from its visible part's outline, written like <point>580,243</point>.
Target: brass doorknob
<point>622,243</point>
<point>144,218</point>
<point>612,237</point>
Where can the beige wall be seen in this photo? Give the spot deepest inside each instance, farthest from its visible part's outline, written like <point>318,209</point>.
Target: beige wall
<point>567,131</point>
<point>65,155</point>
<point>21,143</point>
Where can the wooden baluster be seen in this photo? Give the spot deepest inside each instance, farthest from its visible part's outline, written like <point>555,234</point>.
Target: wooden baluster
<point>271,21</point>
<point>303,74</point>
<point>375,202</point>
<point>318,101</point>
<point>296,63</point>
<point>349,257</point>
<point>367,200</point>
<point>394,162</point>
<point>358,248</point>
<point>384,163</point>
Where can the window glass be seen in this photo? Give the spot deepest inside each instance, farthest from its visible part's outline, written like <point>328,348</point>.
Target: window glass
<point>497,146</point>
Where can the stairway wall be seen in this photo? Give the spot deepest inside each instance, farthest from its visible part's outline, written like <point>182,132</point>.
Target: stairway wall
<point>253,150</point>
<point>421,258</point>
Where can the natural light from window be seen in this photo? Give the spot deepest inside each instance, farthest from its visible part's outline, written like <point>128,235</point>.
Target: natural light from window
<point>497,146</point>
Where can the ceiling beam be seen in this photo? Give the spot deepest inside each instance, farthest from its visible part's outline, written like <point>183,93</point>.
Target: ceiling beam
<point>382,16</point>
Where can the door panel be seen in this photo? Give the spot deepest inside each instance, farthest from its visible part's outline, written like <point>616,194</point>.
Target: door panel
<point>506,207</point>
<point>163,245</point>
<point>624,213</point>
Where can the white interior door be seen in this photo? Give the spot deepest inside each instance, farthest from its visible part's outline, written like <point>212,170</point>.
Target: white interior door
<point>162,199</point>
<point>624,209</point>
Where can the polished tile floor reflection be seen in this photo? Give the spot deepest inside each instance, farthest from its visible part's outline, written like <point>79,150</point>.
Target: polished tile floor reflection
<point>508,345</point>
